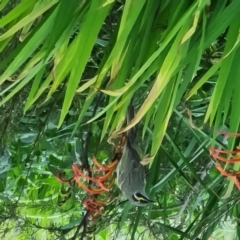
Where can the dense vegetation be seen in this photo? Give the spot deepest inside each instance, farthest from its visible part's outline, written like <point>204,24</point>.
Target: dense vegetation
<point>68,71</point>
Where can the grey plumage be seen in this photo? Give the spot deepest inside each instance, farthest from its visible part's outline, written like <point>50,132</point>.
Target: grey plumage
<point>130,172</point>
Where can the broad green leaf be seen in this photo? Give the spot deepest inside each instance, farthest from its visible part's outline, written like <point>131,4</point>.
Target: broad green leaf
<point>47,4</point>
<point>29,48</point>
<point>84,45</point>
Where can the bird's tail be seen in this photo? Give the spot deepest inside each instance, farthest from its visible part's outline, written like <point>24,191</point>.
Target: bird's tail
<point>131,133</point>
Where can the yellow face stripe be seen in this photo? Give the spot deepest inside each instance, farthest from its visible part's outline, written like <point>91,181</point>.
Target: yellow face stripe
<point>140,198</point>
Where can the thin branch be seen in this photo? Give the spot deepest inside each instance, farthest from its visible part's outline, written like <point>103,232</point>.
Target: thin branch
<point>86,166</point>
<point>83,224</point>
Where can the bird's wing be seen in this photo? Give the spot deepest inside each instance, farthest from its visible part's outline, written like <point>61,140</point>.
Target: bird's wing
<point>138,172</point>
<point>130,169</point>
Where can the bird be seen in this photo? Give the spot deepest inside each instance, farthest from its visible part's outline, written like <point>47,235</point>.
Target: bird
<point>130,172</point>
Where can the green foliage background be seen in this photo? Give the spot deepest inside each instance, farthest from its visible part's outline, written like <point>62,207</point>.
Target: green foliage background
<point>70,68</point>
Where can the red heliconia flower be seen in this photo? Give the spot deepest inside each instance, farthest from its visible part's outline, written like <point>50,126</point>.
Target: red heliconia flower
<point>100,181</point>
<point>227,156</point>
<point>94,206</point>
